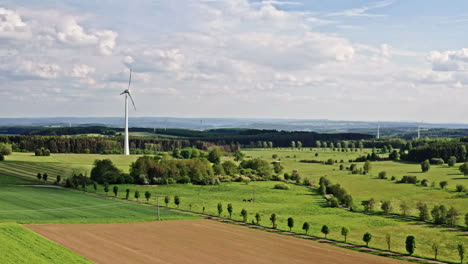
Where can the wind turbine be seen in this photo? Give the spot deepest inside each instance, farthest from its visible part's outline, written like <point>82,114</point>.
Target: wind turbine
<point>419,129</point>
<point>378,130</point>
<point>127,94</point>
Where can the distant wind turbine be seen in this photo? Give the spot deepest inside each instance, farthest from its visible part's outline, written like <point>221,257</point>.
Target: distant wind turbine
<point>378,130</point>
<point>419,129</point>
<point>127,94</point>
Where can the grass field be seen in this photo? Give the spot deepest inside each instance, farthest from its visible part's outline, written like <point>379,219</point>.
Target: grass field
<point>30,204</point>
<point>20,245</point>
<point>305,205</point>
<point>26,166</point>
<point>364,187</point>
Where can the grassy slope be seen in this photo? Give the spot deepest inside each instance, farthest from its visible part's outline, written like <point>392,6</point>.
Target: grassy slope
<point>20,245</point>
<point>26,165</point>
<point>42,204</point>
<point>305,205</point>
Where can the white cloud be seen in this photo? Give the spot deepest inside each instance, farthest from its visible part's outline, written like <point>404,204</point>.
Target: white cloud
<point>82,71</point>
<point>12,25</point>
<point>451,60</point>
<point>363,11</point>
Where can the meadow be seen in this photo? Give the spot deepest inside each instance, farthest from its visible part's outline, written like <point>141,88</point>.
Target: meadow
<point>17,242</point>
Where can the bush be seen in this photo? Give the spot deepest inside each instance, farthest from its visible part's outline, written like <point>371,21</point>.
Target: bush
<point>330,162</point>
<point>409,179</point>
<point>461,188</point>
<point>437,161</point>
<point>2,158</point>
<point>383,175</point>
<point>281,186</point>
<point>425,183</point>
<point>452,161</point>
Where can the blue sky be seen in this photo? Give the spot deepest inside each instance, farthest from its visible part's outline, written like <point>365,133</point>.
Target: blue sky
<point>343,59</point>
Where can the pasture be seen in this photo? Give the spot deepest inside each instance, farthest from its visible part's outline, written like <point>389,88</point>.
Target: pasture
<point>194,241</point>
<point>21,245</point>
<point>364,187</point>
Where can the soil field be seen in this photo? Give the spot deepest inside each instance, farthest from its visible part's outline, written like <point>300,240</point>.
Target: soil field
<point>193,241</point>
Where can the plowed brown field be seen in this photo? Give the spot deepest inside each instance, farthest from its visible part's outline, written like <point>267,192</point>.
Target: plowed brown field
<point>193,241</point>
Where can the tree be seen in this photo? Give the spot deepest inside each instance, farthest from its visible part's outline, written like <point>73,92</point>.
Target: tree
<point>127,194</point>
<point>177,201</point>
<point>306,227</point>
<point>318,144</point>
<point>44,177</point>
<point>461,252</point>
<point>345,232</point>
<point>443,184</point>
<point>214,156</point>
<point>367,238</point>
<point>439,214</point>
<point>277,167</point>
<point>452,161</point>
<point>229,209</point>
<point>95,186</point>
<point>404,208</point>
<point>106,188</point>
<point>105,171</point>
<point>176,153</point>
<point>435,248</point>
<point>258,218</point>
<point>5,149</point>
<point>368,205</point>
<point>410,244</point>
<point>386,206</point>
<point>137,195</point>
<point>466,219</point>
<point>367,166</point>
<point>273,220</point>
<point>388,239</point>
<point>290,223</point>
<point>325,230</point>
<point>293,144</point>
<point>244,215</point>
<point>115,190</point>
<point>423,211</point>
<point>452,216</point>
<point>425,166</point>
<point>220,209</point>
<point>167,199</point>
<point>299,144</point>
<point>147,196</point>
<point>238,155</point>
<point>464,168</point>
<point>58,179</point>
<point>39,176</point>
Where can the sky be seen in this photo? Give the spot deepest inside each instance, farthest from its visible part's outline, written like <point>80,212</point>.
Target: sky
<point>386,60</point>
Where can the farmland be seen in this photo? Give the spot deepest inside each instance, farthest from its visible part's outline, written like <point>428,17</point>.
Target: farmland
<point>30,204</point>
<point>197,241</point>
<point>299,202</point>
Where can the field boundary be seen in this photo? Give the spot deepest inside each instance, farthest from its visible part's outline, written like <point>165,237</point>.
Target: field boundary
<point>374,251</point>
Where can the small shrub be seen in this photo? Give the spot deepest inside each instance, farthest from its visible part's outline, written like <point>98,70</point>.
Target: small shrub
<point>437,161</point>
<point>281,186</point>
<point>461,188</point>
<point>383,175</point>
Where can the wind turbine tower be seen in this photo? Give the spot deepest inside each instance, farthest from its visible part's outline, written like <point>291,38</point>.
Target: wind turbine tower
<point>378,130</point>
<point>127,94</point>
<point>419,129</point>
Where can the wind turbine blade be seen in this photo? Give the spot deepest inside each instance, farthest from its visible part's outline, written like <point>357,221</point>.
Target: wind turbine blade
<point>129,94</point>
<point>130,79</point>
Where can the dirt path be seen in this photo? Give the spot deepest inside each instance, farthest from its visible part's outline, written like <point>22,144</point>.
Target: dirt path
<point>194,241</point>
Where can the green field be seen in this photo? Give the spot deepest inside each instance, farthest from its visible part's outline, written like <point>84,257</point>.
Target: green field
<point>364,187</point>
<point>20,245</point>
<point>299,202</point>
<point>31,204</point>
<point>26,166</point>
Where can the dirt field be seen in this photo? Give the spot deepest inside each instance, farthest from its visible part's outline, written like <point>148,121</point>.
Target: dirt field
<point>193,241</point>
